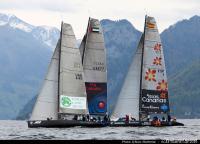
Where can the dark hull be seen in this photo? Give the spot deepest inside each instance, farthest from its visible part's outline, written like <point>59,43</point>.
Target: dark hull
<point>63,123</point>
<point>142,124</point>
<point>73,123</point>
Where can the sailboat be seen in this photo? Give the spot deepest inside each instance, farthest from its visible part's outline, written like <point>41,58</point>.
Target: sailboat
<point>144,93</point>
<point>93,53</point>
<point>63,93</point>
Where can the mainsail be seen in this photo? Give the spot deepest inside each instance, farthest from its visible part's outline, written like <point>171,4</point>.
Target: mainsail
<point>145,89</point>
<point>46,105</point>
<point>63,90</point>
<point>72,94</point>
<point>94,65</point>
<point>154,88</point>
<point>128,99</point>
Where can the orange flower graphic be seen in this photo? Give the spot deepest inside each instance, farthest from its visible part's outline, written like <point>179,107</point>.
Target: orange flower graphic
<point>162,86</point>
<point>157,47</point>
<point>157,61</point>
<point>163,95</point>
<point>150,75</point>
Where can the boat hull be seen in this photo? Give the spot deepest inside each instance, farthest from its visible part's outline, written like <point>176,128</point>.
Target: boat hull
<point>142,124</point>
<point>74,123</point>
<point>63,123</point>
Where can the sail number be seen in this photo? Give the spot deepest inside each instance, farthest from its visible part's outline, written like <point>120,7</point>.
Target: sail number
<point>78,76</point>
<point>98,66</point>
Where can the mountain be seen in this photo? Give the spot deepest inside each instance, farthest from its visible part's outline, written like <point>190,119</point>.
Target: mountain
<point>45,34</point>
<point>181,47</point>
<point>184,91</point>
<point>181,44</point>
<point>23,63</point>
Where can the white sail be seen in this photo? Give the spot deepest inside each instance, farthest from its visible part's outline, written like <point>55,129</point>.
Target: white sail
<point>153,55</point>
<point>94,66</point>
<point>95,54</point>
<point>72,93</point>
<point>128,99</point>
<point>46,105</point>
<point>154,97</point>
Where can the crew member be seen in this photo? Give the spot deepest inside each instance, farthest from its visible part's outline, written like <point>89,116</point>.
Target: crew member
<point>169,118</point>
<point>127,118</point>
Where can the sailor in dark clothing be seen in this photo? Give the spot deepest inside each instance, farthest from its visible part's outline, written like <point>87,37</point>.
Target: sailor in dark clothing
<point>127,119</point>
<point>88,117</point>
<point>94,119</point>
<point>75,117</point>
<point>163,118</point>
<point>169,118</point>
<point>105,119</point>
<point>99,119</point>
<point>83,118</point>
<point>155,118</point>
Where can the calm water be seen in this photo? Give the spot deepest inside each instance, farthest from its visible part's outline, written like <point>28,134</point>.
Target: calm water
<point>19,130</point>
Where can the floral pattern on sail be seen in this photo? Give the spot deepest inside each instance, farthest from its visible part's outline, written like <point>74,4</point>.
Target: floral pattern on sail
<point>157,61</point>
<point>163,95</point>
<point>157,47</point>
<point>150,75</point>
<point>162,86</point>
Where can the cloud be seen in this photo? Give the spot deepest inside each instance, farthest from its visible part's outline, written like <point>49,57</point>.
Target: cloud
<point>50,5</point>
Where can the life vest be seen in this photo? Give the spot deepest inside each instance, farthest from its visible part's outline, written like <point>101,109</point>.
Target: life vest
<point>156,123</point>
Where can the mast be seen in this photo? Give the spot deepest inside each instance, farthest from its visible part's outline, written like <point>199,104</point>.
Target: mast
<point>59,69</point>
<point>141,70</point>
<point>85,43</point>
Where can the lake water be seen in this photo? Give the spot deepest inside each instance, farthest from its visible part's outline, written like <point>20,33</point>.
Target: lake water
<point>19,130</point>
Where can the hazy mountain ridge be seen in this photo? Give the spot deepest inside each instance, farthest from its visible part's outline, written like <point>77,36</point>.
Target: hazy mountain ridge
<point>184,91</point>
<point>23,63</point>
<point>181,44</point>
<point>181,47</point>
<point>45,34</point>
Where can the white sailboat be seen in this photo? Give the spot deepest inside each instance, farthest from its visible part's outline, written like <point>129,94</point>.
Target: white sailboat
<point>145,91</point>
<point>63,94</point>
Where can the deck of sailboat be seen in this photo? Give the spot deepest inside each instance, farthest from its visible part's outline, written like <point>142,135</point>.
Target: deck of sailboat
<point>92,124</point>
<point>64,123</point>
<point>142,124</point>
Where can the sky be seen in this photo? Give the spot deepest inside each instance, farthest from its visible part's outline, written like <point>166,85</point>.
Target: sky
<point>77,12</point>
